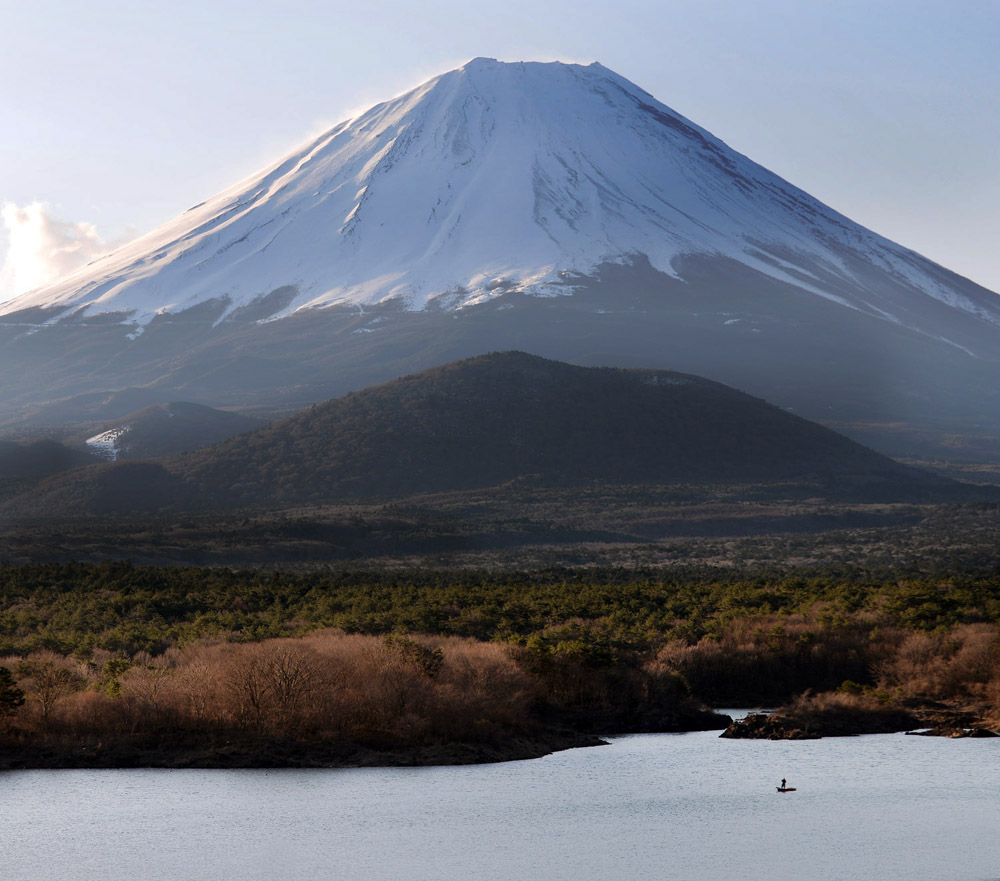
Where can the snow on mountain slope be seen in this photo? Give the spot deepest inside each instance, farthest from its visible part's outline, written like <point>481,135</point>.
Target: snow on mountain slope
<point>492,178</point>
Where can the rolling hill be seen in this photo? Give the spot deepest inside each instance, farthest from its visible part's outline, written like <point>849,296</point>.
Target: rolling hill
<point>493,420</point>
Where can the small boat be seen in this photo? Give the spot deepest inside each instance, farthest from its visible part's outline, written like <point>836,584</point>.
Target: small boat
<point>785,788</point>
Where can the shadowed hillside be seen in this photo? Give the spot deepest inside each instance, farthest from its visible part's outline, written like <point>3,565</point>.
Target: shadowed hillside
<point>490,420</point>
<point>38,457</point>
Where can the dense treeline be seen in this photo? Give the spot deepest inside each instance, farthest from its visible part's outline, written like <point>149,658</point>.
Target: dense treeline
<point>314,667</point>
<point>118,607</point>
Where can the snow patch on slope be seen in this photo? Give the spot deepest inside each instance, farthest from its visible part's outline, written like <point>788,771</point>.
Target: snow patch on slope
<point>108,444</point>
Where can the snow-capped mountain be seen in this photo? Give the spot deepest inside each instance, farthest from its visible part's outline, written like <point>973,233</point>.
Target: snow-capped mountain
<point>497,187</point>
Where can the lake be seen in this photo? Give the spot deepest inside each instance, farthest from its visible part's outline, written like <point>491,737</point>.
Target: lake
<point>683,806</point>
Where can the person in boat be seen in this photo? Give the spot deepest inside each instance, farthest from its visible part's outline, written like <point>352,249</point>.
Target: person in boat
<point>782,782</point>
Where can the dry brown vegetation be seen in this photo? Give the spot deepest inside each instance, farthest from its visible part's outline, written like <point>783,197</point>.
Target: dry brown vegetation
<point>326,688</point>
<point>960,664</point>
<point>764,659</point>
<point>187,666</point>
<point>945,679</point>
<point>327,698</point>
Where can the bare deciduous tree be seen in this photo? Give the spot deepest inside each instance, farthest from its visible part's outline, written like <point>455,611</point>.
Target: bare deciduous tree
<point>46,677</point>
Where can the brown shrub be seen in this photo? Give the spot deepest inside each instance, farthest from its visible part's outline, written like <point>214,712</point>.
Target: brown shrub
<point>962,663</point>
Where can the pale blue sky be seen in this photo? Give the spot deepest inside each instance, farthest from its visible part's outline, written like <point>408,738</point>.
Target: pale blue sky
<point>123,114</point>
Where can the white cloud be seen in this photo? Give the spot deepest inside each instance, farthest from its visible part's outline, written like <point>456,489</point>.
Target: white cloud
<point>42,249</point>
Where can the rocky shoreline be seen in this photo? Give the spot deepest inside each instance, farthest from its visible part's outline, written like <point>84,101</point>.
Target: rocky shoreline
<point>803,721</point>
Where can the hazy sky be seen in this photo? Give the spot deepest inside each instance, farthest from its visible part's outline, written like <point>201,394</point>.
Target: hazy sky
<point>115,116</point>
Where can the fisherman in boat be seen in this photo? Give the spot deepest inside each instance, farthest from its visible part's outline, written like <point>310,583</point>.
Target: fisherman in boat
<point>782,782</point>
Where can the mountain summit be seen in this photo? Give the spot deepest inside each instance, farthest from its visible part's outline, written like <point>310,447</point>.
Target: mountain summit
<point>491,178</point>
<point>612,229</point>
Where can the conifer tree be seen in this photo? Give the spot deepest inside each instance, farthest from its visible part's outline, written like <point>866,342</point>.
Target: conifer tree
<point>11,697</point>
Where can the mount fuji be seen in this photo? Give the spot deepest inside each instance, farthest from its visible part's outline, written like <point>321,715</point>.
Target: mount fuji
<point>554,208</point>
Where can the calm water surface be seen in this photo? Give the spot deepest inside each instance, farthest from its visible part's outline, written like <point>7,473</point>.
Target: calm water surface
<point>685,807</point>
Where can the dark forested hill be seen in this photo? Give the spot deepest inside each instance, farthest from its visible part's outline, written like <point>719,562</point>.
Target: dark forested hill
<point>488,420</point>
